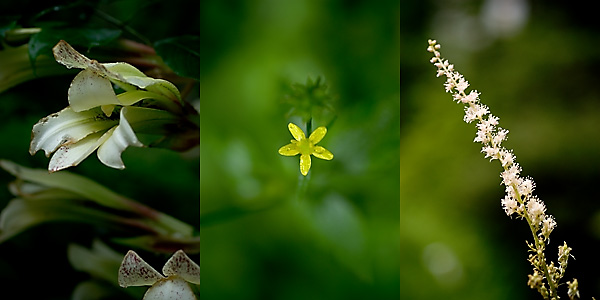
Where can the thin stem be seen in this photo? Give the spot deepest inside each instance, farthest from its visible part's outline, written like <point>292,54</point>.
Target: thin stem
<point>539,247</point>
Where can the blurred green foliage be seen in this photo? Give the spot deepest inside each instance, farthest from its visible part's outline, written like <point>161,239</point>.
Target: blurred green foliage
<point>267,232</point>
<point>456,241</point>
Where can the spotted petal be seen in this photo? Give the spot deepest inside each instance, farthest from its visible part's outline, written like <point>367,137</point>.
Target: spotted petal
<point>134,271</point>
<point>317,135</point>
<point>71,154</point>
<point>172,288</point>
<point>89,89</point>
<point>181,265</point>
<point>296,132</point>
<point>66,127</point>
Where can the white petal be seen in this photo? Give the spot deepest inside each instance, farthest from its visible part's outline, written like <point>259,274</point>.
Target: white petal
<point>134,271</point>
<point>181,265</point>
<point>70,155</point>
<point>170,289</point>
<point>66,127</point>
<point>123,136</point>
<point>89,90</point>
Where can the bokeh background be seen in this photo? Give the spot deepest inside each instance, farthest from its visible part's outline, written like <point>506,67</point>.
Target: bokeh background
<point>267,232</point>
<point>535,63</point>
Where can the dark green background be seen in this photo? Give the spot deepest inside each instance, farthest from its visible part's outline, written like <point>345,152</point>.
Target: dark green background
<point>262,237</point>
<point>542,82</point>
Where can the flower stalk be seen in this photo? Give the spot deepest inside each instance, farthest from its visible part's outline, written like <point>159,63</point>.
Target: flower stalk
<point>519,198</point>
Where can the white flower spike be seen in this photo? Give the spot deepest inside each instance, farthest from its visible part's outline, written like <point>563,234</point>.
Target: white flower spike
<point>134,271</point>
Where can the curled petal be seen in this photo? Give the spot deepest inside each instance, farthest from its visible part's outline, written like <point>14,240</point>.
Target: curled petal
<point>304,164</point>
<point>296,132</point>
<point>289,150</point>
<point>134,271</point>
<point>122,137</point>
<point>89,90</point>
<point>181,265</point>
<point>317,135</point>
<point>66,55</point>
<point>66,127</point>
<point>71,154</point>
<point>322,153</point>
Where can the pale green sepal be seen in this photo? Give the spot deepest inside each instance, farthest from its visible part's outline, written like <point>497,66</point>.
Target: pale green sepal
<point>70,155</point>
<point>181,265</point>
<point>131,75</point>
<point>100,261</point>
<point>89,90</point>
<point>132,97</point>
<point>148,120</point>
<point>66,127</point>
<point>78,184</point>
<point>134,271</point>
<point>123,136</point>
<point>21,214</point>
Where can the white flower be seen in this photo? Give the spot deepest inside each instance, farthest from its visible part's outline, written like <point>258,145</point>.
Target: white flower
<point>88,123</point>
<point>92,87</point>
<point>548,226</point>
<point>536,210</point>
<point>178,271</point>
<point>510,205</point>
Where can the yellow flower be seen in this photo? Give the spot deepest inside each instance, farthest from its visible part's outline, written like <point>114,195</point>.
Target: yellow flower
<point>305,147</point>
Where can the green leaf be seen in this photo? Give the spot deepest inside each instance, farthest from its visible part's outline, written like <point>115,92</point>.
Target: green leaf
<point>42,42</point>
<point>182,54</point>
<point>6,26</point>
<point>20,215</point>
<point>100,261</point>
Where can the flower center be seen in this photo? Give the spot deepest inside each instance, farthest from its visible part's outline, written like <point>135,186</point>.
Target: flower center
<point>305,146</point>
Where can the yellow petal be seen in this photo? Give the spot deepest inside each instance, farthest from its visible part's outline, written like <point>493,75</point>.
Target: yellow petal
<point>304,164</point>
<point>317,135</point>
<point>289,150</point>
<point>322,153</point>
<point>296,132</point>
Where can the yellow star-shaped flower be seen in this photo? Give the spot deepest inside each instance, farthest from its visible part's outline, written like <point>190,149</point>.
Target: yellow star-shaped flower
<point>305,147</point>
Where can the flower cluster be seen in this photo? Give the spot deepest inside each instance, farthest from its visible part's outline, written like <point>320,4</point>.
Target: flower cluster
<point>519,198</point>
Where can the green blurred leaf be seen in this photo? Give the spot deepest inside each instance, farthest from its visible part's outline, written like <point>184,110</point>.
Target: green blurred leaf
<point>21,214</point>
<point>42,42</point>
<point>182,54</point>
<point>5,26</point>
